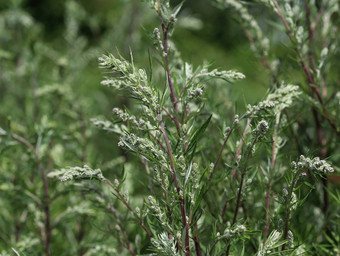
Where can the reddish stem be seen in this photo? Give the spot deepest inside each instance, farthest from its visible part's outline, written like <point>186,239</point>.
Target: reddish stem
<point>173,119</point>
<point>196,240</point>
<point>166,59</point>
<point>173,176</point>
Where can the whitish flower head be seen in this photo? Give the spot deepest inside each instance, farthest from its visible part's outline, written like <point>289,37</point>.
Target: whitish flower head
<point>225,75</point>
<point>315,164</point>
<point>236,119</point>
<point>261,129</point>
<point>100,250</point>
<point>194,93</point>
<point>74,173</point>
<point>165,245</point>
<point>232,232</point>
<point>127,76</point>
<point>278,100</point>
<point>273,241</point>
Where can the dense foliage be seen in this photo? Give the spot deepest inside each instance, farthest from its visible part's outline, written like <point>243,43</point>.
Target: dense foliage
<point>182,164</point>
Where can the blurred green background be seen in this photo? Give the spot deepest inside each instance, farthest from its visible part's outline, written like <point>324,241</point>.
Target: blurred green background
<point>204,33</point>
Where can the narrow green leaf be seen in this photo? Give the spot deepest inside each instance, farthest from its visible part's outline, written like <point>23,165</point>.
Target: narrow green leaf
<point>198,134</point>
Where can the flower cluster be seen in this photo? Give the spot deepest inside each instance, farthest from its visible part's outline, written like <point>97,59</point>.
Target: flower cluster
<point>228,232</point>
<point>124,116</point>
<point>272,242</point>
<point>74,173</point>
<point>193,80</point>
<point>280,99</point>
<point>24,243</point>
<point>155,207</point>
<point>315,164</point>
<point>129,77</point>
<point>228,75</point>
<point>157,40</point>
<point>106,125</point>
<point>194,93</point>
<point>165,245</point>
<point>142,146</point>
<point>100,249</point>
<point>261,129</point>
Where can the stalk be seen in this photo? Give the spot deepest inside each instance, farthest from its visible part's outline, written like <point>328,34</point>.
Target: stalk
<point>220,154</point>
<point>141,223</point>
<point>46,199</point>
<point>239,194</point>
<point>166,60</point>
<point>290,192</point>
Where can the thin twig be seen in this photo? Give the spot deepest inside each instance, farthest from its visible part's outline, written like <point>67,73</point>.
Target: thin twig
<point>291,188</point>
<point>122,229</point>
<point>166,60</point>
<point>238,152</point>
<point>220,154</point>
<point>196,240</point>
<point>173,119</point>
<point>266,229</point>
<point>318,18</point>
<point>46,201</point>
<point>141,223</point>
<point>238,200</point>
<point>239,194</point>
<point>310,35</point>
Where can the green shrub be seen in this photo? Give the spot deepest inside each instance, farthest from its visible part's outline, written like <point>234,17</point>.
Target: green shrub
<point>202,176</point>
